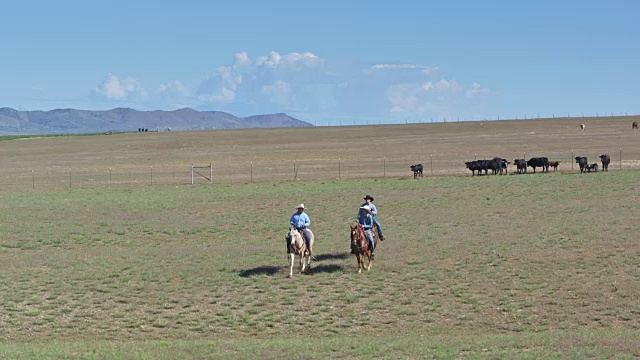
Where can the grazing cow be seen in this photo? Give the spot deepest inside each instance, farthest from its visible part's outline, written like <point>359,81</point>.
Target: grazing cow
<point>583,163</point>
<point>634,125</point>
<point>417,170</point>
<point>521,165</point>
<point>582,126</point>
<point>554,165</point>
<point>542,162</point>
<point>605,159</point>
<point>593,167</point>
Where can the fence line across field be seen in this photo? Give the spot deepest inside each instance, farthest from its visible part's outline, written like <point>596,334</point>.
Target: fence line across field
<point>265,171</point>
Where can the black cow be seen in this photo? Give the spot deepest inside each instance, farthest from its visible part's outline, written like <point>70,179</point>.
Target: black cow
<point>542,162</point>
<point>504,166</point>
<point>473,166</point>
<point>605,159</point>
<point>417,170</point>
<point>521,165</point>
<point>495,165</point>
<point>593,167</point>
<point>583,163</point>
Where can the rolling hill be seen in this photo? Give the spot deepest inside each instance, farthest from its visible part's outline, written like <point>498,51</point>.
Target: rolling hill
<point>72,121</point>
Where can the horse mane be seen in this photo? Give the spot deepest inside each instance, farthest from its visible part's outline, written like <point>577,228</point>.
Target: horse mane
<point>362,243</point>
<point>297,242</point>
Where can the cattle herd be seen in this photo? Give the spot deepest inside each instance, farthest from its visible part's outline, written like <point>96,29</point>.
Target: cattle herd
<point>500,166</point>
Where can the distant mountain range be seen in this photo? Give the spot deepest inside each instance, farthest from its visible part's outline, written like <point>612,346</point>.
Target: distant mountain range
<point>72,121</point>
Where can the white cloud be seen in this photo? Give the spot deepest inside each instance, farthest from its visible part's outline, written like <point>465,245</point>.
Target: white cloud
<point>305,83</point>
<point>172,87</point>
<point>269,61</point>
<point>241,58</point>
<point>226,95</point>
<point>447,85</point>
<point>476,90</point>
<point>296,60</point>
<point>114,88</point>
<point>279,92</point>
<point>423,68</point>
<point>292,61</point>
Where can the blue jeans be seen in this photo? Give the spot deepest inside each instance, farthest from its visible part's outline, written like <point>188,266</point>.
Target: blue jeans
<point>370,236</point>
<point>375,221</point>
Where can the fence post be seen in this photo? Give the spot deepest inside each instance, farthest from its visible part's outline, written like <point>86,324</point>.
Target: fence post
<point>191,174</point>
<point>475,156</point>
<point>252,171</point>
<point>431,165</point>
<point>210,173</point>
<point>33,180</point>
<point>384,166</point>
<point>69,178</point>
<point>152,176</point>
<point>620,158</point>
<point>572,158</point>
<point>339,166</point>
<point>109,177</point>
<point>294,169</point>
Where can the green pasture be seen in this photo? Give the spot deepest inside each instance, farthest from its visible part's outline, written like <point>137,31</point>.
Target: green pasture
<point>519,266</point>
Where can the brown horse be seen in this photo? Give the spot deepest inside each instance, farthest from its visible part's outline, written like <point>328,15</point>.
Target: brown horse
<point>634,125</point>
<point>360,245</point>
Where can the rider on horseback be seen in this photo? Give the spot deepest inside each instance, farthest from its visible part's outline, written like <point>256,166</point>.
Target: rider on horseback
<point>300,220</point>
<point>368,200</point>
<point>365,218</point>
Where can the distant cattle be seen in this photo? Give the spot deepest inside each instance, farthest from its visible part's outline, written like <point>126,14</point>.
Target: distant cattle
<point>504,166</point>
<point>417,170</point>
<point>583,126</point>
<point>554,165</point>
<point>521,165</point>
<point>605,159</point>
<point>495,165</point>
<point>542,162</point>
<point>634,125</point>
<point>592,167</point>
<point>583,163</point>
<point>473,166</point>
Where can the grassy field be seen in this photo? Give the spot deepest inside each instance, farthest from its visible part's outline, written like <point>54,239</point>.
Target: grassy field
<point>531,266</point>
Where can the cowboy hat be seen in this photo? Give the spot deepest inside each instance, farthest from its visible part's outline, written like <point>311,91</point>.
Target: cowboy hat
<point>368,197</point>
<point>301,206</point>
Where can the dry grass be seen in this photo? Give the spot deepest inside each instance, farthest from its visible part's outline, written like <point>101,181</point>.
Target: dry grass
<point>322,153</point>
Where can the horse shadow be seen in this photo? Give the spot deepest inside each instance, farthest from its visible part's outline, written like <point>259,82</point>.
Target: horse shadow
<point>260,270</point>
<point>332,256</point>
<point>324,269</point>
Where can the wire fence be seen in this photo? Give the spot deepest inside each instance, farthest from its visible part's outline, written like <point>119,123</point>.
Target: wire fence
<point>277,171</point>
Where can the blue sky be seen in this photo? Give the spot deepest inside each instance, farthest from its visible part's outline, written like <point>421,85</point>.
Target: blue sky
<point>325,62</point>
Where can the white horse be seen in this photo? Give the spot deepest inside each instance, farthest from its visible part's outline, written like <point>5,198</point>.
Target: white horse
<point>583,126</point>
<point>298,247</point>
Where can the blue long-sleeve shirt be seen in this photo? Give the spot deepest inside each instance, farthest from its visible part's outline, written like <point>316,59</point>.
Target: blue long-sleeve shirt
<point>300,221</point>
